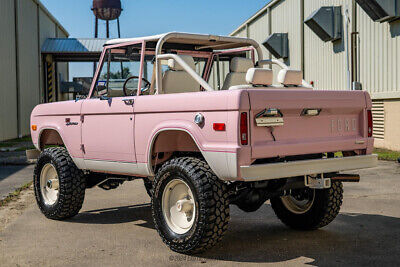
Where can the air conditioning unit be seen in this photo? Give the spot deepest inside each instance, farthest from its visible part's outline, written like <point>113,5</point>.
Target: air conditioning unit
<point>278,45</point>
<point>381,10</point>
<point>326,23</point>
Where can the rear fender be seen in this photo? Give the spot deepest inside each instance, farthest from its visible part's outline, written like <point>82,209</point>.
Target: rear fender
<point>223,163</point>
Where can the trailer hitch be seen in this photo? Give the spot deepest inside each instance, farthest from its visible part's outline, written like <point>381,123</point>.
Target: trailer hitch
<point>323,181</point>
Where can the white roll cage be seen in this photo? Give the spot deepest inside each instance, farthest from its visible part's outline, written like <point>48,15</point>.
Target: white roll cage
<point>200,38</point>
<point>204,41</point>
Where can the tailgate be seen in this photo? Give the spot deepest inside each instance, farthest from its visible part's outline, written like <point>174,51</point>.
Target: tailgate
<point>339,125</point>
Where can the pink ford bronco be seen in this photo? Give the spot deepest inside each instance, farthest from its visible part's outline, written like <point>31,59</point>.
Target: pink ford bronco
<point>197,117</point>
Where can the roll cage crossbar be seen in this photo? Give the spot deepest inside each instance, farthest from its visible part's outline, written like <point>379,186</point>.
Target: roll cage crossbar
<point>199,41</point>
<point>198,37</point>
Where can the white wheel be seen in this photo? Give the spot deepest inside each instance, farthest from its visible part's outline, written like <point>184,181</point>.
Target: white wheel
<point>299,203</point>
<point>190,205</point>
<point>178,206</point>
<point>58,184</point>
<point>49,184</point>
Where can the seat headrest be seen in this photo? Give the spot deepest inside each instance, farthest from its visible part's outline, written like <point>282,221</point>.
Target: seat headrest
<point>240,64</point>
<point>173,65</point>
<point>257,76</point>
<point>290,77</point>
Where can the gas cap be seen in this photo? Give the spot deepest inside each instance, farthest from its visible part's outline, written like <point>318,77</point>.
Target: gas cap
<point>199,119</point>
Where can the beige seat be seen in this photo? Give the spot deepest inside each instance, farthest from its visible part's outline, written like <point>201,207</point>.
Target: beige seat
<point>259,77</point>
<point>256,78</point>
<point>177,80</point>
<point>237,75</point>
<point>290,78</point>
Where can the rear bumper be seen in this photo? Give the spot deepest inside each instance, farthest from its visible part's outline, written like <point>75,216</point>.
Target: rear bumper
<point>304,167</point>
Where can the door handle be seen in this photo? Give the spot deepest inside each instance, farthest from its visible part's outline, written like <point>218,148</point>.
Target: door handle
<point>129,101</point>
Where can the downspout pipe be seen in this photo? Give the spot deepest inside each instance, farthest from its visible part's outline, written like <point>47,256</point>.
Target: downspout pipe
<point>354,48</point>
<point>302,41</point>
<point>346,43</point>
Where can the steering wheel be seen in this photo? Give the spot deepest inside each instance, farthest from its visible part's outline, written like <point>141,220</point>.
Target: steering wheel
<point>144,88</point>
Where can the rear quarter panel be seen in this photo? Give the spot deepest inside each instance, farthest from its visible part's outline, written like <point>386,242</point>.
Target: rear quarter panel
<point>154,114</point>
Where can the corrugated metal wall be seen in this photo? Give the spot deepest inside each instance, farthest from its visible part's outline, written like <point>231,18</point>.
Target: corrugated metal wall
<point>8,84</point>
<point>325,63</point>
<point>285,17</point>
<point>28,62</point>
<point>241,33</point>
<point>379,55</point>
<point>258,30</point>
<point>33,24</point>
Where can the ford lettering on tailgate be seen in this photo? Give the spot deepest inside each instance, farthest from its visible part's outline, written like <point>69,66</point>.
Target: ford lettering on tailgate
<point>343,125</point>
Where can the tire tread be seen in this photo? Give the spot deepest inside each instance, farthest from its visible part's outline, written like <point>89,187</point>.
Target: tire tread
<point>72,184</point>
<point>325,209</point>
<point>214,212</point>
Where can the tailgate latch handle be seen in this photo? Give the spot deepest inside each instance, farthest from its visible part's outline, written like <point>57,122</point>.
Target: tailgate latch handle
<point>311,112</point>
<point>269,117</point>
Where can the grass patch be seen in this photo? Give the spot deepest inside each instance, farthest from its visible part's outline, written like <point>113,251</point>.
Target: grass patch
<point>25,148</point>
<point>23,139</point>
<point>19,143</point>
<point>384,154</point>
<point>5,144</point>
<point>14,195</point>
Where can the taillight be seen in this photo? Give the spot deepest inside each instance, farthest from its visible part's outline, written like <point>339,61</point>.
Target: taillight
<point>244,131</point>
<point>370,124</point>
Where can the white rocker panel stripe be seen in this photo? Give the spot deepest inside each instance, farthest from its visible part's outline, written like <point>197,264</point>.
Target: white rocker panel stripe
<point>223,164</point>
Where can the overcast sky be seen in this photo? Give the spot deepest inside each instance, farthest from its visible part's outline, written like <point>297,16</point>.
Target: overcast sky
<point>149,17</point>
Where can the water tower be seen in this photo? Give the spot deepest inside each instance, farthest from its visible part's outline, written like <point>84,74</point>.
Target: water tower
<point>106,10</point>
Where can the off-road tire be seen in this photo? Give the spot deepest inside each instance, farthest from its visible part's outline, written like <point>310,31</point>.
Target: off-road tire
<point>71,184</point>
<point>211,199</point>
<point>323,211</point>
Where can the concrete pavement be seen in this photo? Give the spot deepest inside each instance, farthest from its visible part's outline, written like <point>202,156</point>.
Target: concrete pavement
<point>115,228</point>
<point>13,177</point>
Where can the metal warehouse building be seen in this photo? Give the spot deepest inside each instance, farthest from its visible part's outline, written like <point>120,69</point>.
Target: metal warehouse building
<point>24,27</point>
<point>339,44</point>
